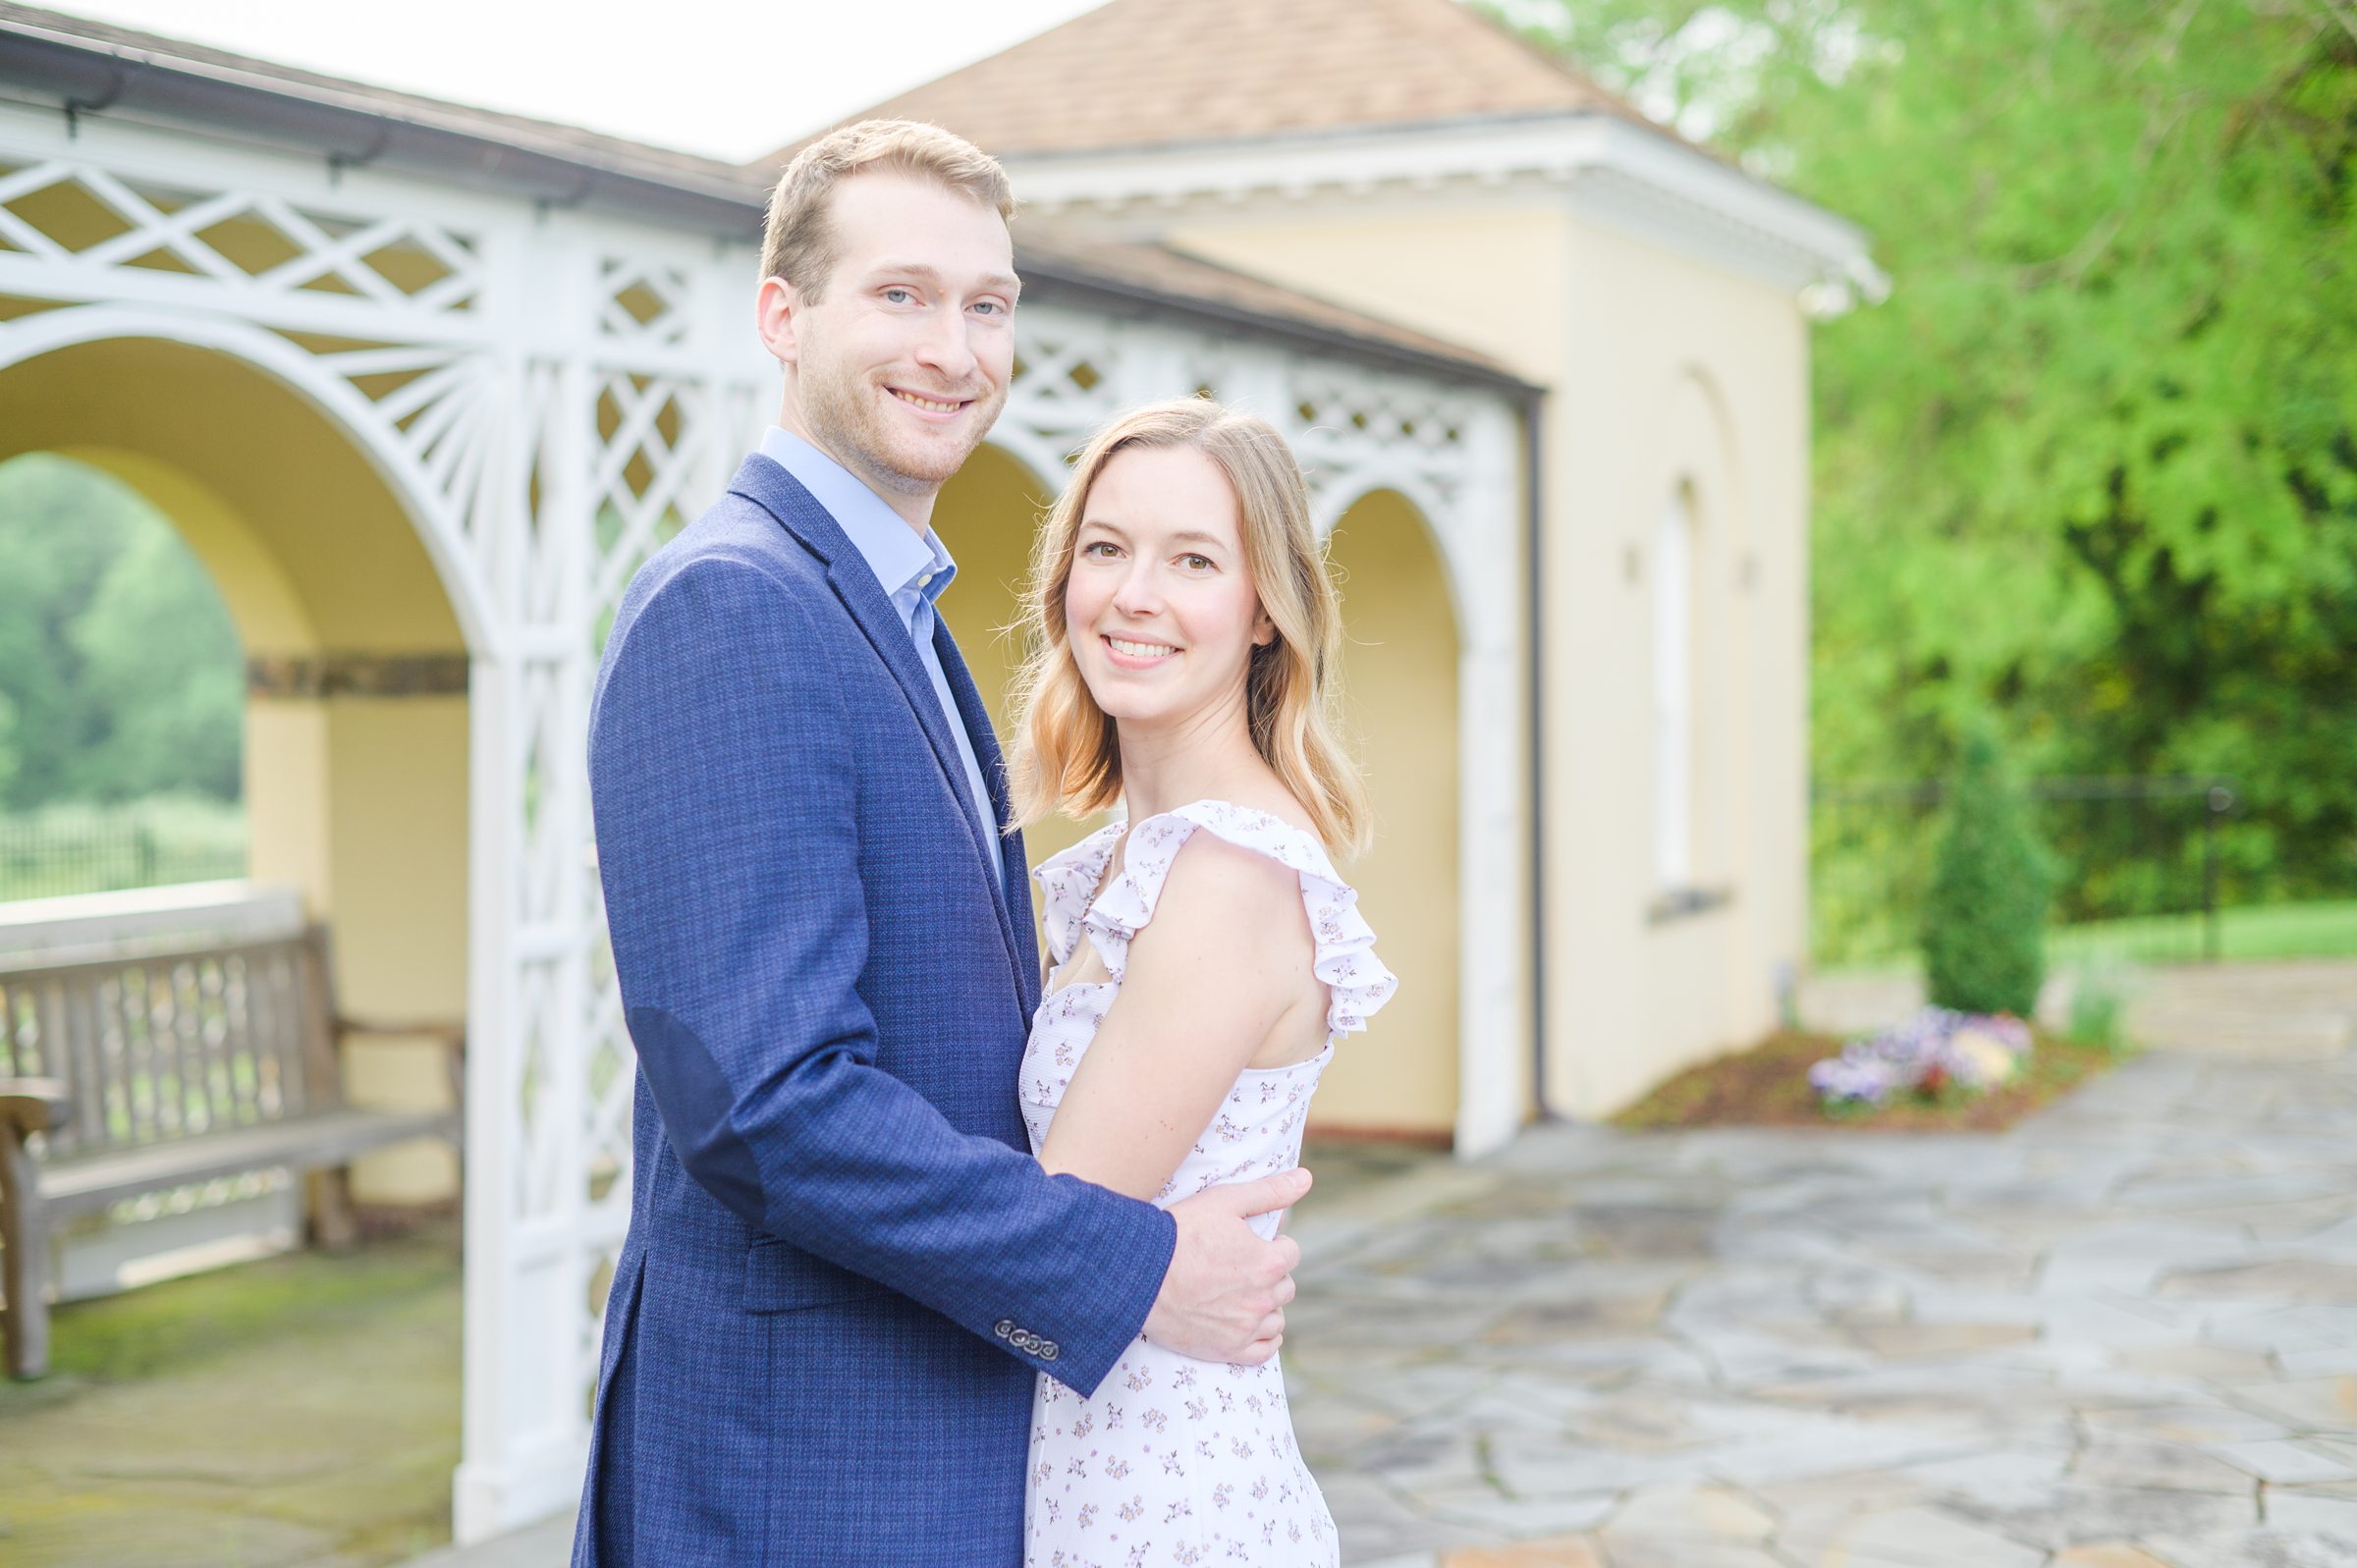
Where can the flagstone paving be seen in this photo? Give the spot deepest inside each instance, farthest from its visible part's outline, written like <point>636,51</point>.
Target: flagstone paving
<point>2121,1336</point>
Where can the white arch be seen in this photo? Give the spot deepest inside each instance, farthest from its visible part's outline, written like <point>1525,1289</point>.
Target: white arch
<point>1033,451</point>
<point>1329,508</point>
<point>336,399</point>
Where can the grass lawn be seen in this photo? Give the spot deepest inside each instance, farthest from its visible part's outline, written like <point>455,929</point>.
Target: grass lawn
<point>2264,932</point>
<point>2269,930</point>
<point>1768,1086</point>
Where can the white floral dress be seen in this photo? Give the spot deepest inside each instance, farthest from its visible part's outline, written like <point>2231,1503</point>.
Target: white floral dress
<point>1177,1461</point>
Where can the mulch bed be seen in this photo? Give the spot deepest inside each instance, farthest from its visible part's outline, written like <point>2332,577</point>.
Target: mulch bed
<point>1768,1086</point>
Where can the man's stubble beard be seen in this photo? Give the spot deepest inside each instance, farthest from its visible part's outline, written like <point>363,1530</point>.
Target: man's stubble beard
<point>851,429</point>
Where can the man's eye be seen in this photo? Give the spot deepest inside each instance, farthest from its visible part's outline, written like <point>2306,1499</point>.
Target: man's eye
<point>898,296</point>
<point>990,307</point>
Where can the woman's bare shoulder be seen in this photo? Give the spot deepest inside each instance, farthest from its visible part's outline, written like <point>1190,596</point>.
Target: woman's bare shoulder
<point>1223,898</point>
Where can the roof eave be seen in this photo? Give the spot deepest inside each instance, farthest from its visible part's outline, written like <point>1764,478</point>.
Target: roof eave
<point>1618,169</point>
<point>88,76</point>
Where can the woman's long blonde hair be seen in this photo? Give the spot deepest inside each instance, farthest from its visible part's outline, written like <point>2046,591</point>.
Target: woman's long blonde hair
<point>1068,755</point>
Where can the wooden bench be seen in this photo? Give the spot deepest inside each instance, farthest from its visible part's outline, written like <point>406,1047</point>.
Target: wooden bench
<point>152,1070</point>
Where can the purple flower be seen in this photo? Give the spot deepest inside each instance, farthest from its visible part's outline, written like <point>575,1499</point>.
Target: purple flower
<point>1930,1048</point>
<point>1853,1076</point>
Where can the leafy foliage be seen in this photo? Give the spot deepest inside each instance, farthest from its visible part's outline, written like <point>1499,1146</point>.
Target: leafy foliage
<point>2092,466</point>
<point>1983,923</point>
<point>120,671</point>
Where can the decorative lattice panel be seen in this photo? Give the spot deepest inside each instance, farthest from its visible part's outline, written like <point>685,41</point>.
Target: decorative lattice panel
<point>643,302</point>
<point>247,242</point>
<point>1062,387</point>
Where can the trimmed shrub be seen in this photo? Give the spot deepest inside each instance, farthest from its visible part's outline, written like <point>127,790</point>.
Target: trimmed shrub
<point>1984,926</point>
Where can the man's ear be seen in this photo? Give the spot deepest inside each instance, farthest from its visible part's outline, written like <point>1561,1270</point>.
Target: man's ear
<point>777,309</point>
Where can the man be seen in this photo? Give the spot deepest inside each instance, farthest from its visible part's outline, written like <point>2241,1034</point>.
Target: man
<point>844,1270</point>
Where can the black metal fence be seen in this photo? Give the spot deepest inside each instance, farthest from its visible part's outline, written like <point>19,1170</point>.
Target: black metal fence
<point>52,854</point>
<point>2138,854</point>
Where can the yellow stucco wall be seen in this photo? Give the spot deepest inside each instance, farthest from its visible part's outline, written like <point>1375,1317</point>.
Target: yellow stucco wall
<point>1486,274</point>
<point>1399,698</point>
<point>1657,366</point>
<point>1689,376</point>
<point>359,801</point>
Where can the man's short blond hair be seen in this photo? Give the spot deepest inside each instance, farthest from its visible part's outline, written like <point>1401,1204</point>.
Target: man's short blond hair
<point>798,242</point>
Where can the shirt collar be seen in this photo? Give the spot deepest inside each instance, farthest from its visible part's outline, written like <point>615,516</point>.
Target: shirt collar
<point>903,562</point>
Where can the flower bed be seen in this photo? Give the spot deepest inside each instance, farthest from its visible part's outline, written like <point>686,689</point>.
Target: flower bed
<point>1932,1052</point>
<point>1768,1085</point>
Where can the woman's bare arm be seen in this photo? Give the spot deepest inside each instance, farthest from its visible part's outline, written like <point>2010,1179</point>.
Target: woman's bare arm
<point>1208,979</point>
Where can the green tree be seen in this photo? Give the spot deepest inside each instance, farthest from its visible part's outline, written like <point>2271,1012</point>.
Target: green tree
<point>164,676</point>
<point>119,666</point>
<point>7,744</point>
<point>58,530</point>
<point>1984,924</point>
<point>2091,465</point>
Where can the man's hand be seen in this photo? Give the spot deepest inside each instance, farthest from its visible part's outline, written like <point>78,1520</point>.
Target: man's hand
<point>1224,1296</point>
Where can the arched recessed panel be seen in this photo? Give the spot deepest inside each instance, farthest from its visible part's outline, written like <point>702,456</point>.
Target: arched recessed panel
<point>282,506</point>
<point>1400,675</point>
<point>988,516</point>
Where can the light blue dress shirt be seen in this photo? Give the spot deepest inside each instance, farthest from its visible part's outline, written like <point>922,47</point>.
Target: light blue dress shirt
<point>912,573</point>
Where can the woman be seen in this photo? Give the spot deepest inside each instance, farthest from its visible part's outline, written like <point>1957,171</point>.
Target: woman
<point>1203,955</point>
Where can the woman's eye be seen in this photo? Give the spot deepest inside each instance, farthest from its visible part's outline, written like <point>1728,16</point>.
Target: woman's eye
<point>1100,550</point>
<point>1196,563</point>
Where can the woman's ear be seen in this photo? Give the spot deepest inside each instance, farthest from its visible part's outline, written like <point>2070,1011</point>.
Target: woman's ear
<point>1264,630</point>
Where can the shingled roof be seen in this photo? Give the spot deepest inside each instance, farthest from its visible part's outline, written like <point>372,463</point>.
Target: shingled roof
<point>1138,73</point>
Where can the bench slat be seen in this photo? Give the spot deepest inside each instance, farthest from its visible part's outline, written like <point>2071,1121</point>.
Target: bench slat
<point>78,1037</point>
<point>307,1143</point>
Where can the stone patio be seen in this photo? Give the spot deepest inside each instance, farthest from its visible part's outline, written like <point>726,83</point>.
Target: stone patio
<point>2122,1335</point>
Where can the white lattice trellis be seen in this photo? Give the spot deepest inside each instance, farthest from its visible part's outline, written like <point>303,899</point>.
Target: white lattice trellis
<point>550,396</point>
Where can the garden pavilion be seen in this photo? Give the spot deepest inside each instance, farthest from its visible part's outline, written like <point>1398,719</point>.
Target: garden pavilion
<point>422,384</point>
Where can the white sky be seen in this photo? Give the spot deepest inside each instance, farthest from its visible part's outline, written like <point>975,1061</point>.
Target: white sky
<point>730,78</point>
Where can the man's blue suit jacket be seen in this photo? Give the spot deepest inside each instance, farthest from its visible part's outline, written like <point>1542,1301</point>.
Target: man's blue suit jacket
<point>843,1268</point>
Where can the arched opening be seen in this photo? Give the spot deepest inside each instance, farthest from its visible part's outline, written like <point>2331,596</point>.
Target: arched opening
<point>354,718</point>
<point>988,516</point>
<point>122,690</point>
<point>1400,682</point>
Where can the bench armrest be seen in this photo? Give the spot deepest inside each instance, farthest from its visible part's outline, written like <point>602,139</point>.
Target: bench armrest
<point>33,1105</point>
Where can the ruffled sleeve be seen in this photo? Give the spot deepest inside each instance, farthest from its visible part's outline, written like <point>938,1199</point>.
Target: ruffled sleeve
<point>1067,880</point>
<point>1357,983</point>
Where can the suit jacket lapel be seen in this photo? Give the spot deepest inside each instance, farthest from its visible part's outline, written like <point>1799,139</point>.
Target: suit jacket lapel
<point>1014,907</point>
<point>774,490</point>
